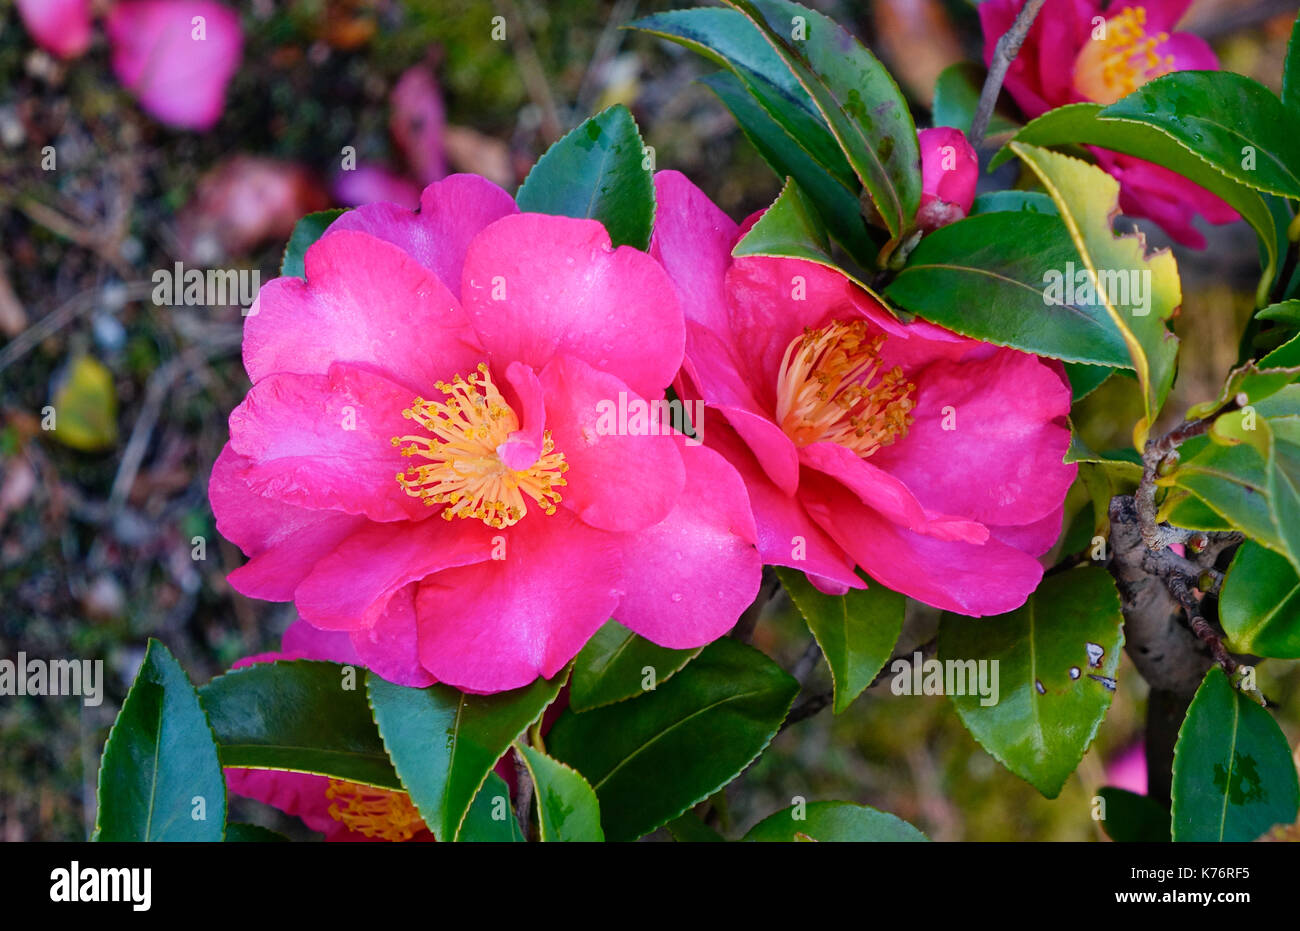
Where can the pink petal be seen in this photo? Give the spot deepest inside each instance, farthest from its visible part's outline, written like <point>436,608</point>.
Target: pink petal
<point>501,623</point>
<point>949,170</point>
<point>559,287</point>
<point>1189,52</point>
<point>614,482</point>
<point>350,588</point>
<point>687,579</point>
<point>62,27</point>
<point>178,68</point>
<point>390,646</point>
<point>303,641</point>
<point>1034,538</point>
<point>693,240</point>
<point>369,183</point>
<point>364,301</point>
<point>967,578</point>
<point>324,441</point>
<point>524,446</point>
<point>452,212</point>
<point>284,542</point>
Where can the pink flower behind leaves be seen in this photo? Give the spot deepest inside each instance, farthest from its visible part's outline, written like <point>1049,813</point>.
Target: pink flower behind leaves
<point>1068,57</point>
<point>176,56</point>
<point>420,461</point>
<point>62,27</point>
<point>417,121</point>
<point>949,171</point>
<point>932,461</point>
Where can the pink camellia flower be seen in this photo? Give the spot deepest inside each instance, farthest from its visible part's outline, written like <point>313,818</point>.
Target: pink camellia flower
<point>1100,51</point>
<point>176,56</point>
<point>423,460</point>
<point>949,170</point>
<point>1128,769</point>
<point>62,27</point>
<point>341,810</point>
<point>932,461</point>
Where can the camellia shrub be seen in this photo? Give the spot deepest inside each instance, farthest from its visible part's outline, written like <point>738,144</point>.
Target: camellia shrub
<point>529,467</point>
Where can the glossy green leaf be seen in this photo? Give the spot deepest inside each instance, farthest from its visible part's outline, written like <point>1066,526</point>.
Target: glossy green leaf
<point>1259,604</point>
<point>567,809</point>
<point>989,276</point>
<point>833,822</point>
<point>1231,121</point>
<point>1133,818</point>
<point>305,232</point>
<point>1234,778</point>
<point>597,171</point>
<point>1089,123</point>
<point>491,819</point>
<point>858,100</point>
<point>241,833</point>
<point>856,631</point>
<point>616,665</point>
<point>1056,664</point>
<point>957,96</point>
<point>159,777</point>
<point>652,758</point>
<point>444,742</point>
<point>1088,199</point>
<point>1085,379</point>
<point>689,829</point>
<point>1010,201</point>
<point>303,716</point>
<point>1291,73</point>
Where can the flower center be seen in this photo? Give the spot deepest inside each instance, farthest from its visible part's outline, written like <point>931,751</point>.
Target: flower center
<point>828,389</point>
<point>465,471</point>
<point>1122,60</point>
<point>376,813</point>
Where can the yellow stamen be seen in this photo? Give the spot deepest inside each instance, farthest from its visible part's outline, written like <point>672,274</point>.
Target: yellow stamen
<point>1122,60</point>
<point>376,813</point>
<point>825,390</point>
<point>465,471</point>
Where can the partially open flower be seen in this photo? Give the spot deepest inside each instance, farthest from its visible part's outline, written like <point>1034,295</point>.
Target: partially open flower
<point>932,461</point>
<point>422,462</point>
<point>1100,51</point>
<point>949,171</point>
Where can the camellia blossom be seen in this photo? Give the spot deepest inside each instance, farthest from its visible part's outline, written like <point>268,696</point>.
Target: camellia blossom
<point>932,461</point>
<point>419,461</point>
<point>1101,51</point>
<point>341,810</point>
<point>62,27</point>
<point>176,57</point>
<point>949,172</point>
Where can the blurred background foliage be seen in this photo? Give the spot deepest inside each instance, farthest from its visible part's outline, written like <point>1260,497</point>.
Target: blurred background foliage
<point>98,520</point>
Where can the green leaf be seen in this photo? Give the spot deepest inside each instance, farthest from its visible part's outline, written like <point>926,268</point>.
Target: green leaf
<point>1088,200</point>
<point>988,277</point>
<point>159,772</point>
<point>1056,664</point>
<point>1088,123</point>
<point>1005,201</point>
<point>652,758</point>
<point>305,232</point>
<point>241,833</point>
<point>957,96</point>
<point>1234,778</point>
<point>490,818</point>
<point>858,100</point>
<point>567,809</point>
<point>445,742</point>
<point>856,631</point>
<point>836,201</point>
<point>1220,115</point>
<point>85,406</point>
<point>302,716</point>
<point>612,667</point>
<point>1133,818</point>
<point>597,171</point>
<point>1259,604</point>
<point>689,829</point>
<point>1291,72</point>
<point>833,821</point>
<point>1085,379</point>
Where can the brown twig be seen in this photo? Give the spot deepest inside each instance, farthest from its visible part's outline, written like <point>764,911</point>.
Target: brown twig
<point>1004,53</point>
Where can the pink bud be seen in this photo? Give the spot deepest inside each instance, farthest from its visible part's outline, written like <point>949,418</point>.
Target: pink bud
<point>61,27</point>
<point>949,170</point>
